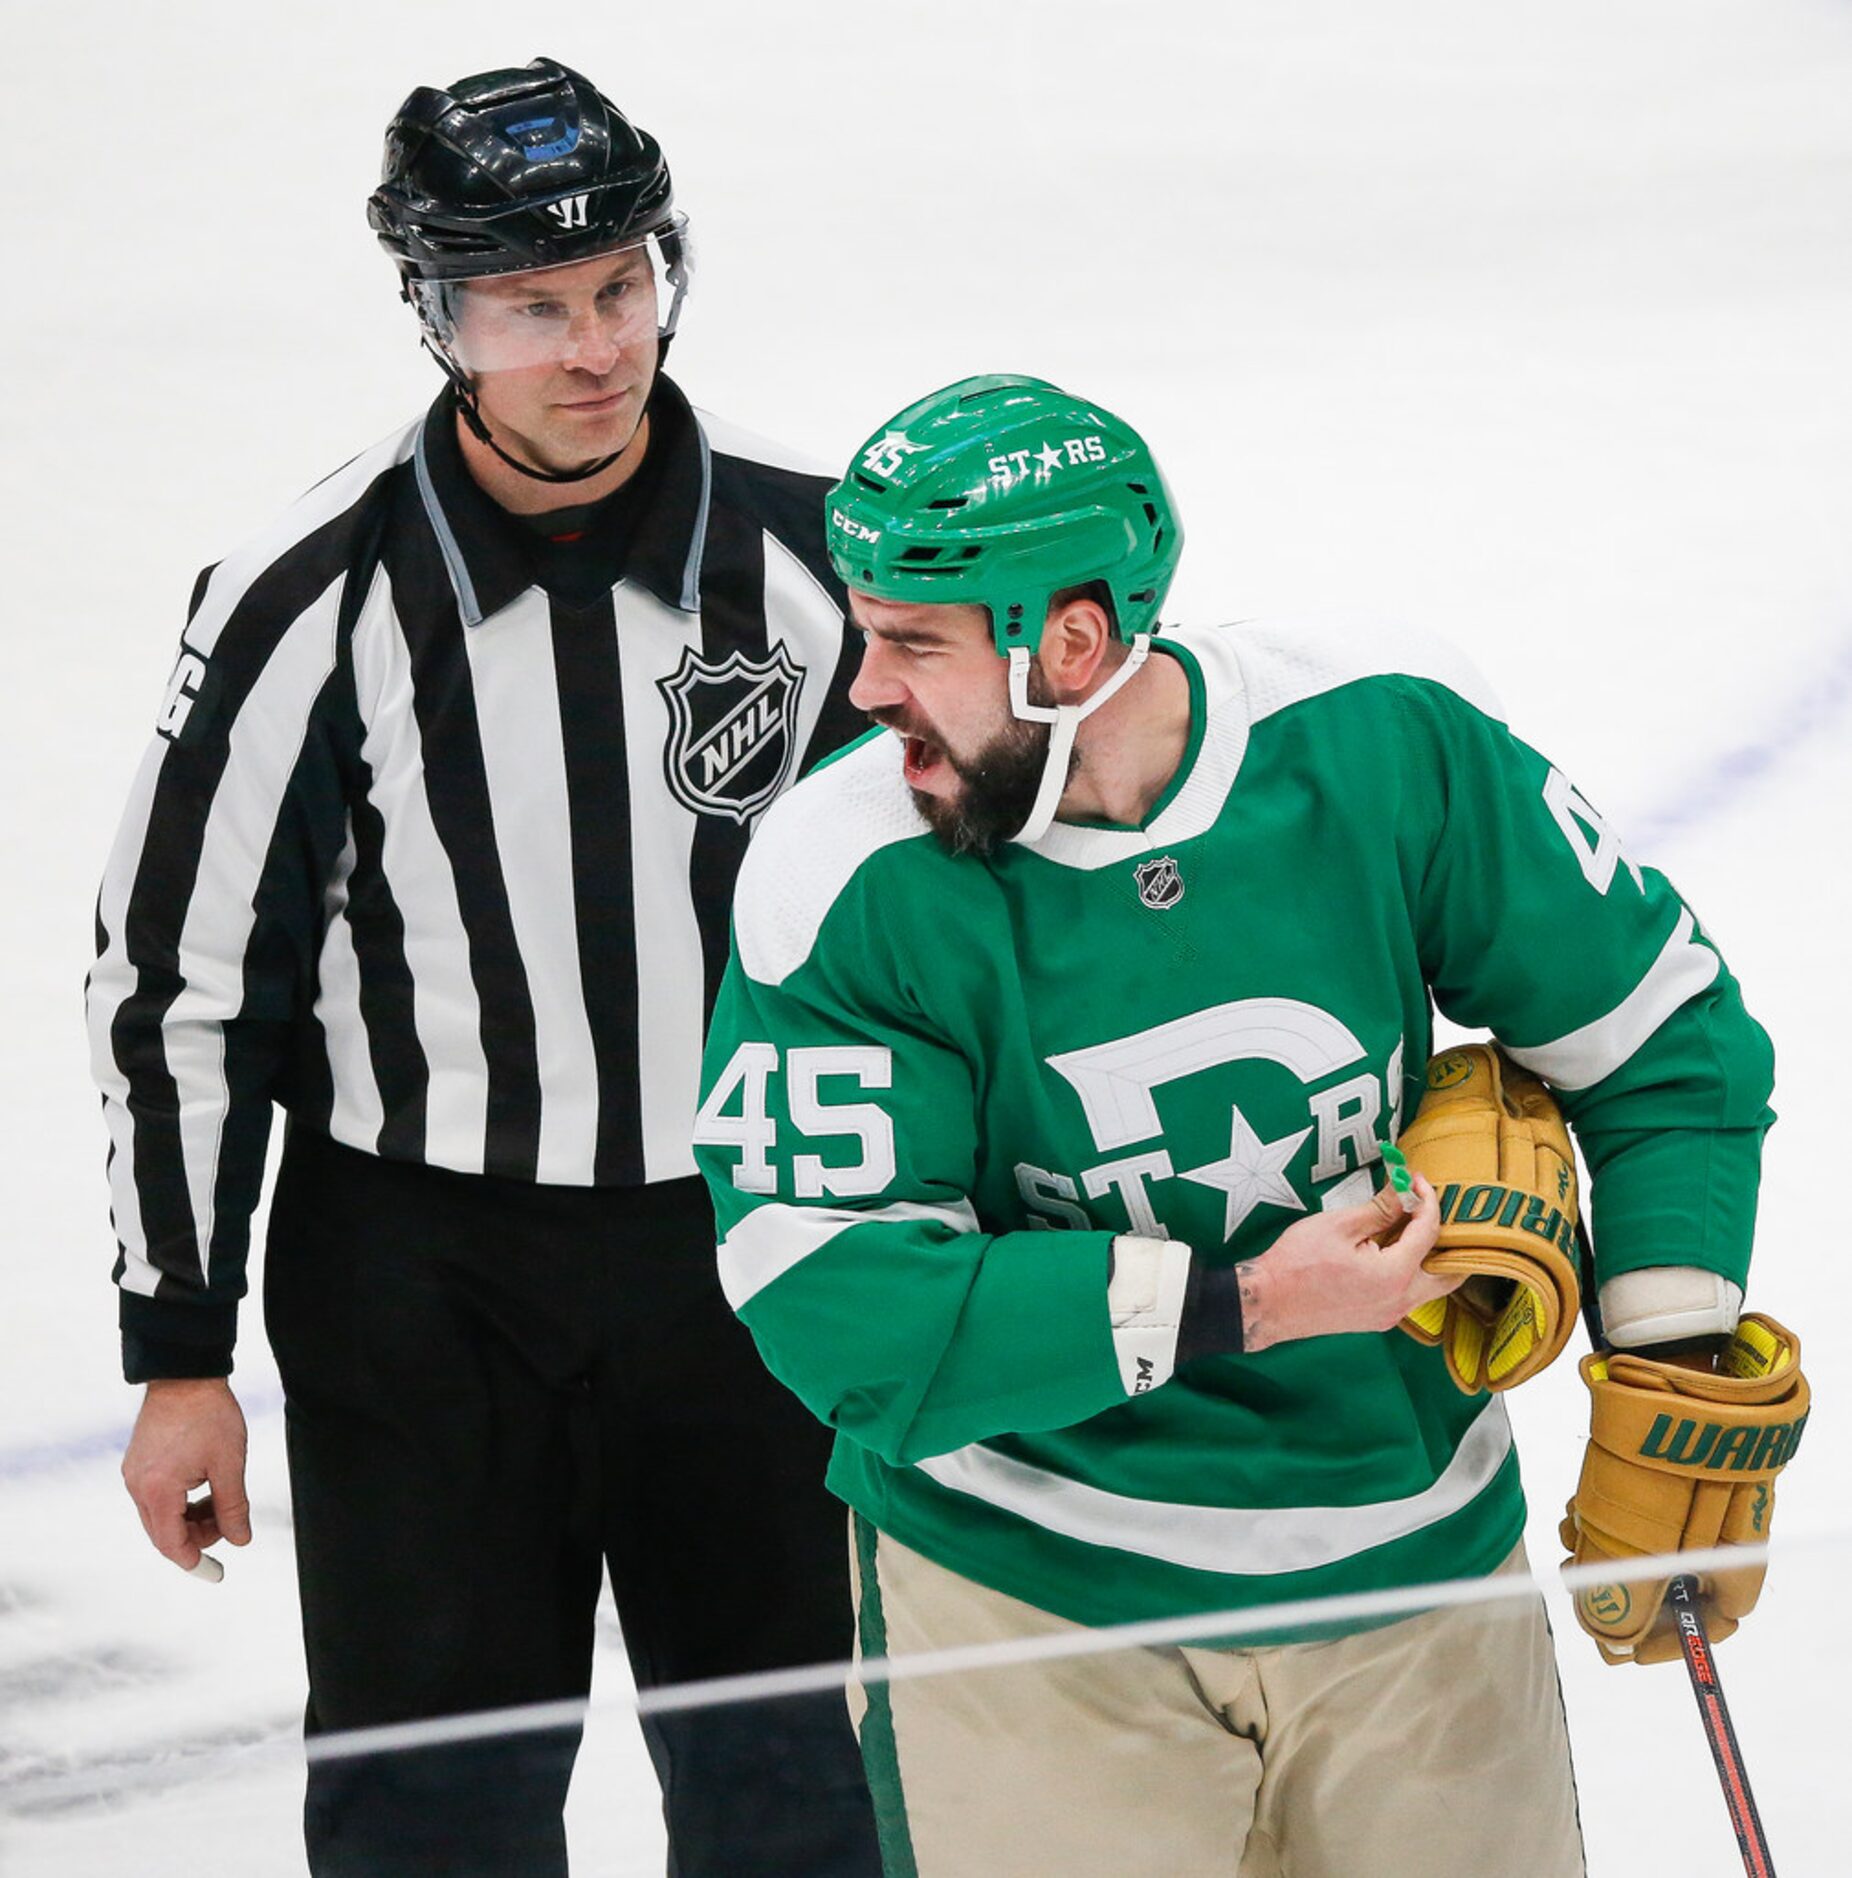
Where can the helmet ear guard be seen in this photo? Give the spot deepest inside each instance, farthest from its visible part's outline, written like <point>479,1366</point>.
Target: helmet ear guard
<point>1096,537</point>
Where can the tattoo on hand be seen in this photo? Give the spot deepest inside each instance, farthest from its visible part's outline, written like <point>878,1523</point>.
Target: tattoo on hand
<point>1253,1318</point>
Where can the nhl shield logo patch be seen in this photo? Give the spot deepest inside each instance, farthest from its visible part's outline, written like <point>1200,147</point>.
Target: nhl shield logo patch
<point>733,731</point>
<point>1159,883</point>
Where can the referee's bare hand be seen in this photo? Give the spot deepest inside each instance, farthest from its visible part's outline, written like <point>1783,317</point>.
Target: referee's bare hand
<point>190,1433</point>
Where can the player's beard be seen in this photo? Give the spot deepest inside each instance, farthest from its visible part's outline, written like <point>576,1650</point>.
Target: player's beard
<point>1001,783</point>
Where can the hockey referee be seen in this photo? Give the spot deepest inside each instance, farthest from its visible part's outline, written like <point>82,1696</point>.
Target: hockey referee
<point>434,848</point>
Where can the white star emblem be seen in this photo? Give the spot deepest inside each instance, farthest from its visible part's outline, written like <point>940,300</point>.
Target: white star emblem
<point>1252,1175</point>
<point>1049,458</point>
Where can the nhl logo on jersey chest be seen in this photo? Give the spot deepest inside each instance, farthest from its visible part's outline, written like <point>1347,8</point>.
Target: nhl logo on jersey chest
<point>1160,885</point>
<point>732,731</point>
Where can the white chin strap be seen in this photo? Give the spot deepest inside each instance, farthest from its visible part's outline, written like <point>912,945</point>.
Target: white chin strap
<point>1067,719</point>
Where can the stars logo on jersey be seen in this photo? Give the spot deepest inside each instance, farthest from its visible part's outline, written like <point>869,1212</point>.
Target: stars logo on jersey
<point>1160,885</point>
<point>733,731</point>
<point>1118,1082</point>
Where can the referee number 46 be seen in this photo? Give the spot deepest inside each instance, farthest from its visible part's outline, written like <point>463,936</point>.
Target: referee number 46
<point>753,1130</point>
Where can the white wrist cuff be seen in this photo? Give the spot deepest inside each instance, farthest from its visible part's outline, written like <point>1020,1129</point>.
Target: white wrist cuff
<point>1145,1302</point>
<point>1661,1303</point>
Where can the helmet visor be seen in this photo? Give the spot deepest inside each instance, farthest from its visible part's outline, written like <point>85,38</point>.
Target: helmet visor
<point>584,313</point>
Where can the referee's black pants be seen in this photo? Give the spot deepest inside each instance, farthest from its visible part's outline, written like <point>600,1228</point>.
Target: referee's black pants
<point>494,1391</point>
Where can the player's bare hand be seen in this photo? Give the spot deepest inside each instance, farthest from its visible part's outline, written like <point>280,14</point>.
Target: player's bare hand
<point>1355,1269</point>
<point>190,1433</point>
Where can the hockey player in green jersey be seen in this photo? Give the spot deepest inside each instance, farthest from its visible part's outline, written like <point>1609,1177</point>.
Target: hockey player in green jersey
<point>1042,1109</point>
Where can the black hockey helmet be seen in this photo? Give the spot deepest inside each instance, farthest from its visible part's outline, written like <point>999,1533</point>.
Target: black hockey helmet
<point>527,167</point>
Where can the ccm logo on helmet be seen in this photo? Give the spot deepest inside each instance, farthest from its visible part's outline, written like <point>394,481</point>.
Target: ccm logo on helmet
<point>856,531</point>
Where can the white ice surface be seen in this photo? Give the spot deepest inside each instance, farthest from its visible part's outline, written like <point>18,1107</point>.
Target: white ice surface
<point>1531,322</point>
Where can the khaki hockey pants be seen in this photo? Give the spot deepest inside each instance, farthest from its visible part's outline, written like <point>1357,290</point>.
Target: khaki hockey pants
<point>1430,1748</point>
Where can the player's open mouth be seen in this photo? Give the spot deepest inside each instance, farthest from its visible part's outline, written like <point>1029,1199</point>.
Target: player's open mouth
<point>921,759</point>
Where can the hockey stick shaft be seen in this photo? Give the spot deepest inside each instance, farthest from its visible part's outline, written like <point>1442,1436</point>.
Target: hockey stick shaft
<point>1719,1731</point>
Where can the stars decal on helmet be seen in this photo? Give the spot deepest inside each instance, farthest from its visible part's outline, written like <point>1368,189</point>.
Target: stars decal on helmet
<point>1013,466</point>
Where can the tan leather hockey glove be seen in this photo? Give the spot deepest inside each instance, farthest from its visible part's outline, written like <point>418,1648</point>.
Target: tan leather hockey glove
<point>1491,1139</point>
<point>1680,1459</point>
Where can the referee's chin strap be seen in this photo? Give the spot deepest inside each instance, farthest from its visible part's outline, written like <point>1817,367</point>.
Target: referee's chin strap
<point>1066,719</point>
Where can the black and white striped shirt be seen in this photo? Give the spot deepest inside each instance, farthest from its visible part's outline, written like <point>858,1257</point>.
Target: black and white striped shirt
<point>435,857</point>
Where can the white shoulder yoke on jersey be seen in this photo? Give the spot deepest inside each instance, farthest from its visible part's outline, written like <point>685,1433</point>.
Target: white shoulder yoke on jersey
<point>1250,671</point>
<point>232,578</point>
<point>1287,661</point>
<point>729,439</point>
<point>814,839</point>
<point>809,845</point>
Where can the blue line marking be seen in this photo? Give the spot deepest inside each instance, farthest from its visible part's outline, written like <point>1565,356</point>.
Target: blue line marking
<point>1815,708</point>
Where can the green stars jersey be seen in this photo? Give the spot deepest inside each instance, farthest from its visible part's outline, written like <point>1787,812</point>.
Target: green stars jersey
<point>938,1087</point>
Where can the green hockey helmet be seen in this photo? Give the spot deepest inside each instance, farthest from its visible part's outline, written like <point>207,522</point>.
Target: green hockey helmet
<point>1002,491</point>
